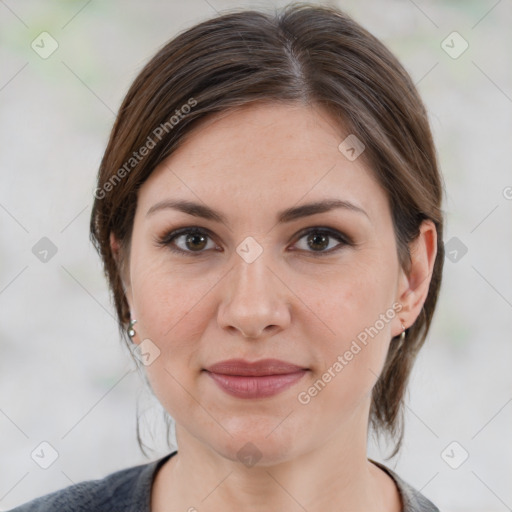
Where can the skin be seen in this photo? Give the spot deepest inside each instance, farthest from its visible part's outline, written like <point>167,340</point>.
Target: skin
<point>289,303</point>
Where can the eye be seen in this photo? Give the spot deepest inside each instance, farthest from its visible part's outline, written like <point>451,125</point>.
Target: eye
<point>186,241</point>
<point>317,239</point>
<point>193,241</point>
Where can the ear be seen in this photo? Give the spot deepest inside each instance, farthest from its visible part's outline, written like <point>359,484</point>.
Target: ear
<point>414,285</point>
<point>116,249</point>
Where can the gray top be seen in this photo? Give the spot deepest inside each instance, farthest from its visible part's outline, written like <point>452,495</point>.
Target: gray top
<point>413,500</point>
<point>129,490</point>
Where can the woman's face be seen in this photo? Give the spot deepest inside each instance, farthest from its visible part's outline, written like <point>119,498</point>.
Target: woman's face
<point>321,291</point>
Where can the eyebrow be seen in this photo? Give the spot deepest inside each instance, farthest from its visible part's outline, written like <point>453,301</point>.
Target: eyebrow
<point>287,215</point>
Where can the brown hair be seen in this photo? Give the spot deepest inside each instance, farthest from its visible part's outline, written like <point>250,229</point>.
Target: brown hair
<point>309,54</point>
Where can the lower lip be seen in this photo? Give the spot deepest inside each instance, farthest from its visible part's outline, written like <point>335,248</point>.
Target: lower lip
<point>256,387</point>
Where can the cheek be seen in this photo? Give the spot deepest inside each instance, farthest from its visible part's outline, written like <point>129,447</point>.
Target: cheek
<point>354,297</point>
<point>172,314</point>
<point>348,367</point>
<point>164,295</point>
<point>174,311</point>
<point>168,305</point>
<point>356,306</point>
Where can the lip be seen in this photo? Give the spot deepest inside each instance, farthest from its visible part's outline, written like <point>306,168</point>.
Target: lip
<point>259,379</point>
<point>241,367</point>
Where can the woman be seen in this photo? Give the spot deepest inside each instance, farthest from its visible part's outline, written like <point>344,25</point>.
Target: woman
<point>268,212</point>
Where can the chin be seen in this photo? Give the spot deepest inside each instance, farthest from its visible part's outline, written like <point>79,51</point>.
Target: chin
<point>257,449</point>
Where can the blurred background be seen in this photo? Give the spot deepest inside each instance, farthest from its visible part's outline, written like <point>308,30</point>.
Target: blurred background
<point>67,381</point>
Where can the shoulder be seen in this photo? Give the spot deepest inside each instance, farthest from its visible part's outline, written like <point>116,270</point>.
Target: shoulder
<point>126,490</point>
<point>413,500</point>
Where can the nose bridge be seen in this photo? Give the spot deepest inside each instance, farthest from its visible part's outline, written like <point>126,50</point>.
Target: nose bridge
<point>252,276</point>
<point>254,298</point>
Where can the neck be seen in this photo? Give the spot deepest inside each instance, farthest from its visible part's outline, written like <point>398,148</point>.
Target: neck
<point>333,475</point>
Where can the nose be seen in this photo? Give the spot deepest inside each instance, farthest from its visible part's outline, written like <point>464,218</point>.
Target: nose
<point>255,302</point>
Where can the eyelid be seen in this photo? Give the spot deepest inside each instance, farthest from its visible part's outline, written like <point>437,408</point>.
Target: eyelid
<point>166,240</point>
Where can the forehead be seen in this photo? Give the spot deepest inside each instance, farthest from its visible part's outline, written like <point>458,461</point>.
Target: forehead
<point>270,152</point>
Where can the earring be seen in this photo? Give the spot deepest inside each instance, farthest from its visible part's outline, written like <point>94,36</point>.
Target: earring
<point>131,330</point>
<point>402,336</point>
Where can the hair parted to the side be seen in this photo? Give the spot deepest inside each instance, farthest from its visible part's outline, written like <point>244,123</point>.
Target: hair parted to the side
<point>303,54</point>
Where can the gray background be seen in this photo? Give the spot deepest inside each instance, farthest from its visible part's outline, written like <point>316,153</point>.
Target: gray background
<point>66,379</point>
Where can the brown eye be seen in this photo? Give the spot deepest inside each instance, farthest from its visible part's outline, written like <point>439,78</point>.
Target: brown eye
<point>320,241</point>
<point>187,241</point>
<point>195,241</point>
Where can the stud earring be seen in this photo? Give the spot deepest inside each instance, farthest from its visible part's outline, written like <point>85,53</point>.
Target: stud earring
<point>131,330</point>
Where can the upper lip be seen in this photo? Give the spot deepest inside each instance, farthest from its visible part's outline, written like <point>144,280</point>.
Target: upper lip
<point>255,369</point>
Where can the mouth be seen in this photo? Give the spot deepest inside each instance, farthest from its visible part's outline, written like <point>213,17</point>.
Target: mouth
<point>260,379</point>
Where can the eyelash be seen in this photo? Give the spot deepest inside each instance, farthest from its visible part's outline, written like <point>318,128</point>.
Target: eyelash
<point>167,239</point>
